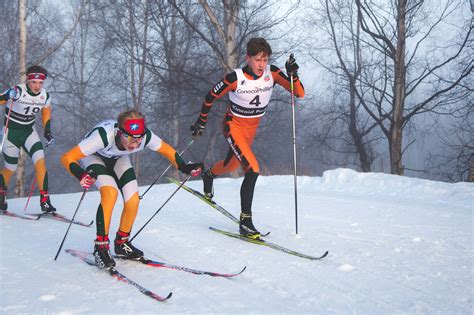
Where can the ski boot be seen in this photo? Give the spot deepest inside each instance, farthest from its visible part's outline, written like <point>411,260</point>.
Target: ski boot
<point>207,179</point>
<point>124,248</point>
<point>246,227</point>
<point>3,199</point>
<point>45,202</point>
<point>103,258</point>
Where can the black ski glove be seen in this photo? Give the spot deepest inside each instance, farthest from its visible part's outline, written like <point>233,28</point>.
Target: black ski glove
<point>291,67</point>
<point>48,136</point>
<point>193,169</point>
<point>198,128</point>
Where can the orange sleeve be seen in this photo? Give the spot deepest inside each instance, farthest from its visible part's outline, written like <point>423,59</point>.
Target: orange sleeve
<point>46,115</point>
<point>283,80</point>
<point>229,83</point>
<point>170,154</point>
<point>69,161</point>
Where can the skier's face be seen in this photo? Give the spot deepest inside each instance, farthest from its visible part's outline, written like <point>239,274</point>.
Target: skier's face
<point>130,143</point>
<point>35,86</point>
<point>257,63</point>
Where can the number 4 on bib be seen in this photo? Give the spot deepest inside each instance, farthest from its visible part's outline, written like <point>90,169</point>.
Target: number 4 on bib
<point>256,101</point>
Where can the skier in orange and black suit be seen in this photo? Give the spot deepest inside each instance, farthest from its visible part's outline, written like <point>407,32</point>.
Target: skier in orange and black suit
<point>250,89</point>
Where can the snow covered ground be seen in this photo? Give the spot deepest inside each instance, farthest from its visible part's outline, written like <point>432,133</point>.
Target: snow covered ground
<point>396,245</point>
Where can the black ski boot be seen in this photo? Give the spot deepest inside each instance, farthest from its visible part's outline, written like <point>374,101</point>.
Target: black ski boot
<point>124,248</point>
<point>246,227</point>
<point>3,199</point>
<point>102,256</point>
<point>45,202</point>
<point>207,179</point>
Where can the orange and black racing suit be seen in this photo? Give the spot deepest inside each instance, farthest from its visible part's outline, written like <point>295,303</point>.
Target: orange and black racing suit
<point>249,96</point>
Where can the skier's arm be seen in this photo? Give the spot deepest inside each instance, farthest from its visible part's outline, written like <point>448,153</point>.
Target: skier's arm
<point>4,97</point>
<point>95,140</point>
<point>12,92</point>
<point>229,83</point>
<point>170,154</point>
<point>46,115</point>
<point>46,118</point>
<point>69,161</point>
<point>156,144</point>
<point>283,80</point>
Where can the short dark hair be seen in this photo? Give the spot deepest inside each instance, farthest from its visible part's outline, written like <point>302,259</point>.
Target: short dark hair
<point>36,69</point>
<point>257,45</point>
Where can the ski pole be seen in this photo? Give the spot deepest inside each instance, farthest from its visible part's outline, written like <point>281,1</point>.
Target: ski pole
<point>5,130</point>
<point>181,185</point>
<point>33,184</point>
<point>70,223</point>
<point>294,150</point>
<point>164,172</point>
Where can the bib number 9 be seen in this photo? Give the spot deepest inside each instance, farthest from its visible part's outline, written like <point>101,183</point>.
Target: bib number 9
<point>33,111</point>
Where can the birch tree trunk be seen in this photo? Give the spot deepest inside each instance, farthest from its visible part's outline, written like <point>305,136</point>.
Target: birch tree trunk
<point>227,34</point>
<point>20,172</point>
<point>396,126</point>
<point>137,86</point>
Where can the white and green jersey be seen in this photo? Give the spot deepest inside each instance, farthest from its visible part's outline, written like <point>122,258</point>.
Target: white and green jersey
<point>101,141</point>
<point>25,107</point>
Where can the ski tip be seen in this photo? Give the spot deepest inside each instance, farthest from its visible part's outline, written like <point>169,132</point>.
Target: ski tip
<point>160,298</point>
<point>324,255</point>
<point>230,276</point>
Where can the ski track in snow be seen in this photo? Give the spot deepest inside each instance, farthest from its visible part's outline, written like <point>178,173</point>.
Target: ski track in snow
<point>396,245</point>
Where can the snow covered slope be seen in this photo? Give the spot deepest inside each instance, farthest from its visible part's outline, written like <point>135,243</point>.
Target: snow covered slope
<point>397,245</point>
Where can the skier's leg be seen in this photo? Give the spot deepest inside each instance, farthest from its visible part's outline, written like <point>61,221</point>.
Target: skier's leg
<point>106,183</point>
<point>240,140</point>
<point>10,152</point>
<point>129,187</point>
<point>246,197</point>
<point>34,148</point>
<point>230,164</point>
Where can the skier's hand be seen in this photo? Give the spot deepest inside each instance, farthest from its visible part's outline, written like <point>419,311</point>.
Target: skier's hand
<point>13,93</point>
<point>291,67</point>
<point>88,179</point>
<point>197,128</point>
<point>49,139</point>
<point>193,169</point>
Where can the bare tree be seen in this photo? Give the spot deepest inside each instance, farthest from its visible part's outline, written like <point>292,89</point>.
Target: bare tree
<point>173,67</point>
<point>228,25</point>
<point>125,25</point>
<point>38,44</point>
<point>343,126</point>
<point>20,172</point>
<point>454,160</point>
<point>398,88</point>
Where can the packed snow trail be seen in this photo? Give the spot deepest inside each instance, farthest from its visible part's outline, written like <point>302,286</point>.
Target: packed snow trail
<point>397,245</point>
